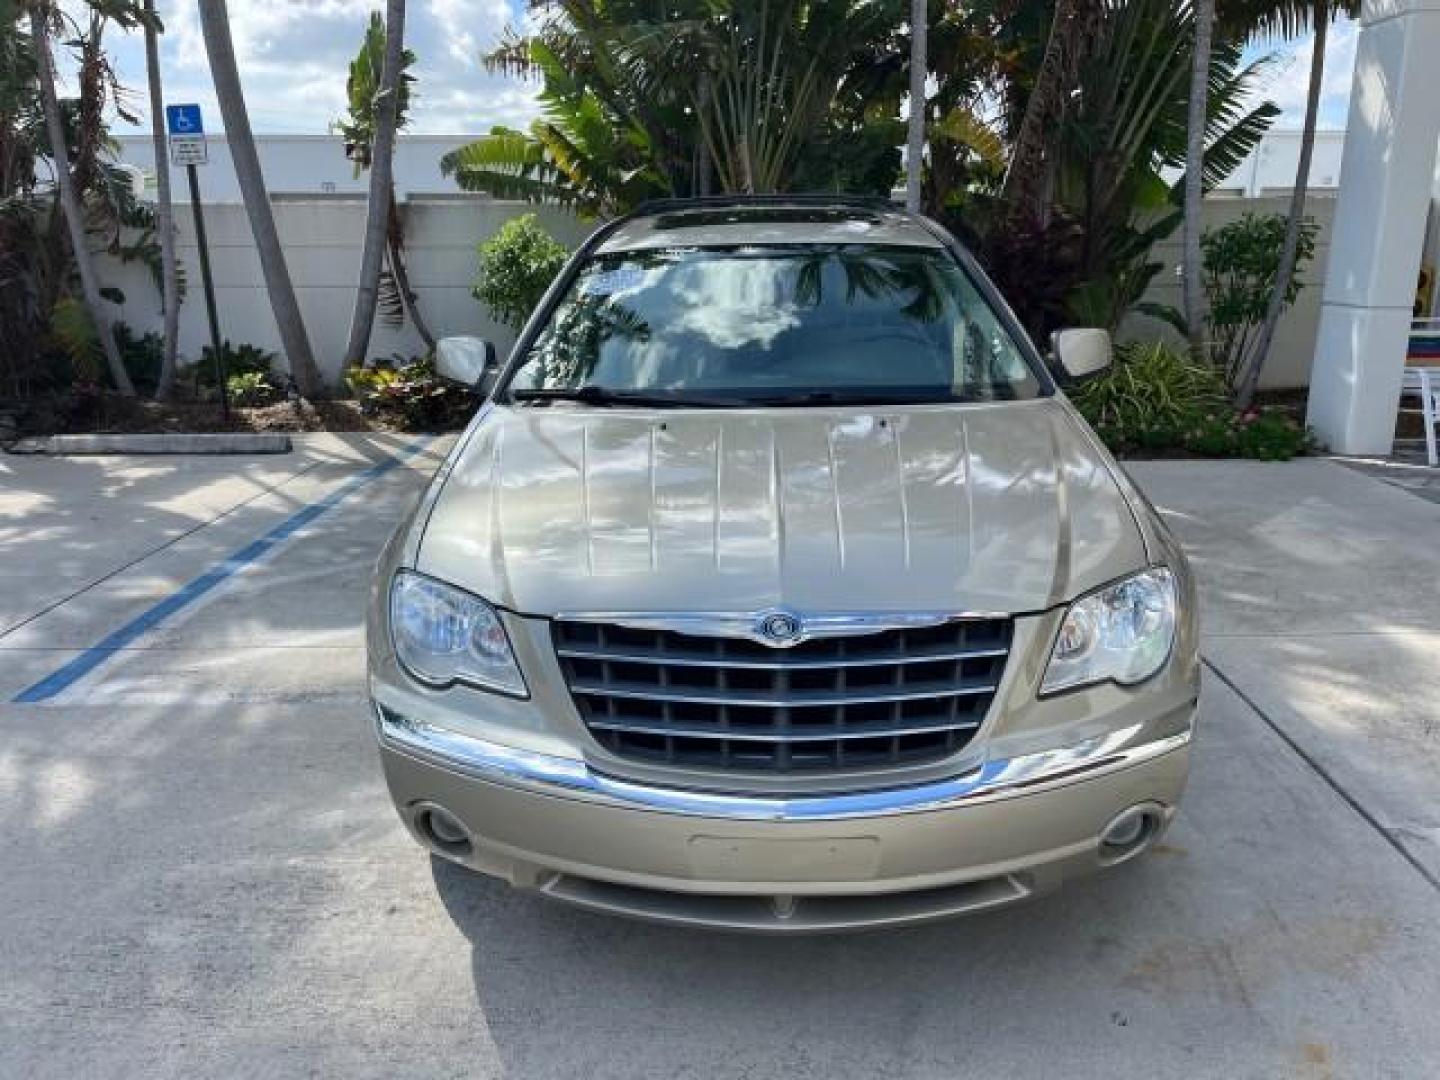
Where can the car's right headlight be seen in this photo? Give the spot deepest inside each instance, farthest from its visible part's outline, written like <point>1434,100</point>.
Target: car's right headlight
<point>444,635</point>
<point>1121,633</point>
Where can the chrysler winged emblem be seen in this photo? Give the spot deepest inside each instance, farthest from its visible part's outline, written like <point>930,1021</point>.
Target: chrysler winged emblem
<point>779,628</point>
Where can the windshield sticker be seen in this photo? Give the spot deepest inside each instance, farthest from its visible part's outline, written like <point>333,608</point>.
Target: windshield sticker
<point>609,282</point>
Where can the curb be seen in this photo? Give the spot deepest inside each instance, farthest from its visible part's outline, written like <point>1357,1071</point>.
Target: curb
<point>242,442</point>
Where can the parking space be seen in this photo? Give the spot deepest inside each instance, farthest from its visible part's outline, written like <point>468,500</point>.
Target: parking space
<point>203,874</point>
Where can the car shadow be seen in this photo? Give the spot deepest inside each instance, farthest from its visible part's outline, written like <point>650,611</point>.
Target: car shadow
<point>569,992</point>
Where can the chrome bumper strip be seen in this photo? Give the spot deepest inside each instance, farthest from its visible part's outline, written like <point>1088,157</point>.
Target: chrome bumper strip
<point>546,774</point>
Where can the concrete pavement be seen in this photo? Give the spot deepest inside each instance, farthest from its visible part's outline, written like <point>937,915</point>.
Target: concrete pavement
<point>203,876</point>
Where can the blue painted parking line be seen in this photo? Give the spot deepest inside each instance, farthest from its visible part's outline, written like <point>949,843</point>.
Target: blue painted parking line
<point>147,620</point>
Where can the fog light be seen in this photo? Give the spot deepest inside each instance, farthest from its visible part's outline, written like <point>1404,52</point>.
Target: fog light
<point>1125,831</point>
<point>1130,832</point>
<point>442,829</point>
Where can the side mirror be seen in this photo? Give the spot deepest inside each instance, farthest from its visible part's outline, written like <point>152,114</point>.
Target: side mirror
<point>468,361</point>
<point>1081,353</point>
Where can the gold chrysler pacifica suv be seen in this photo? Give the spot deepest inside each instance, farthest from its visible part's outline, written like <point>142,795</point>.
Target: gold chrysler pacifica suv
<point>776,586</point>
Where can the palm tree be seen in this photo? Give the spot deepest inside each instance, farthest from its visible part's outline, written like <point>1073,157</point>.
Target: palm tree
<point>385,108</point>
<point>637,103</point>
<point>164,209</point>
<point>1074,28</point>
<point>215,24</point>
<point>915,141</point>
<point>1204,19</point>
<point>1320,15</point>
<point>42,15</point>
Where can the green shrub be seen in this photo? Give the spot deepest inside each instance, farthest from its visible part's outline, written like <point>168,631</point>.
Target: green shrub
<point>243,359</point>
<point>1150,397</point>
<point>517,265</point>
<point>251,389</point>
<point>1241,260</point>
<point>409,395</point>
<point>142,355</point>
<point>1155,399</point>
<point>1266,434</point>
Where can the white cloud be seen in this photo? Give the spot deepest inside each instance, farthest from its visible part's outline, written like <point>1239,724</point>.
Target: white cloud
<point>1290,84</point>
<point>294,55</point>
<point>460,21</point>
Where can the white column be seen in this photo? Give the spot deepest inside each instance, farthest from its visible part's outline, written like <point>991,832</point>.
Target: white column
<point>1385,180</point>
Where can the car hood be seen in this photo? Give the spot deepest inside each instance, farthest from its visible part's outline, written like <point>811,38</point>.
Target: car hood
<point>1003,507</point>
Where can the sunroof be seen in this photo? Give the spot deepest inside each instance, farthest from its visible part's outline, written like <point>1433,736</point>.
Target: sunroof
<point>768,215</point>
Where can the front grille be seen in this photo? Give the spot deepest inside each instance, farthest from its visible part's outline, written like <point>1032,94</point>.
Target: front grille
<point>894,697</point>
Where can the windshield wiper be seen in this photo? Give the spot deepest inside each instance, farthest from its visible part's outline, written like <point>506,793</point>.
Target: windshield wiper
<point>601,395</point>
<point>854,397</point>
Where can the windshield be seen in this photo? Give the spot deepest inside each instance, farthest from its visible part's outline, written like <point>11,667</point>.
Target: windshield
<point>775,324</point>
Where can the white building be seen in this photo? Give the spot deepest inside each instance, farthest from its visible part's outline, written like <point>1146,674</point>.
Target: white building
<point>307,165</point>
<point>315,165</point>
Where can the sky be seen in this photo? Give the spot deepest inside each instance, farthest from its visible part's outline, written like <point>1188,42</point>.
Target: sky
<point>293,57</point>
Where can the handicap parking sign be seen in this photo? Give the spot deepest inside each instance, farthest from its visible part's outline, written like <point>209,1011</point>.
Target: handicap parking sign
<point>183,120</point>
<point>187,135</point>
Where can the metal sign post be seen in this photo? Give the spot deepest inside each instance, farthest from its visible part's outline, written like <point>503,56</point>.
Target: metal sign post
<point>187,147</point>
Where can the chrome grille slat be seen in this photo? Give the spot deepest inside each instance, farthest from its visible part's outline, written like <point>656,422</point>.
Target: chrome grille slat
<point>774,665</point>
<point>787,734</point>
<point>892,697</point>
<point>789,700</point>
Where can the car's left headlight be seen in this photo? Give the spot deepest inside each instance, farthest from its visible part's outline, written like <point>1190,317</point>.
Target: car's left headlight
<point>444,635</point>
<point>1121,633</point>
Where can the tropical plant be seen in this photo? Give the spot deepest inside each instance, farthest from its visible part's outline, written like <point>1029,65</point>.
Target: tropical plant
<point>164,206</point>
<point>1074,25</point>
<point>636,105</point>
<point>409,394</point>
<point>1126,128</point>
<point>1074,245</point>
<point>253,389</point>
<point>378,91</point>
<point>517,265</point>
<point>43,20</point>
<point>26,268</point>
<point>1242,263</point>
<point>47,334</point>
<point>773,72</point>
<point>607,138</point>
<point>215,27</point>
<point>143,355</point>
<point>1152,397</point>
<point>242,359</point>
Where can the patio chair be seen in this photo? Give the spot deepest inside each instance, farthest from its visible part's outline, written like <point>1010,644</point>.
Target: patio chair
<point>1422,378</point>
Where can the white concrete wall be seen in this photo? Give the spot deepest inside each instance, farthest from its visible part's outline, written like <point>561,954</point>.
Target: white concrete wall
<point>322,238</point>
<point>322,241</point>
<point>1294,347</point>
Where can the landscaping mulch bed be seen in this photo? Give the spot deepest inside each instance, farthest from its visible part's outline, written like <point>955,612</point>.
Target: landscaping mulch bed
<point>112,414</point>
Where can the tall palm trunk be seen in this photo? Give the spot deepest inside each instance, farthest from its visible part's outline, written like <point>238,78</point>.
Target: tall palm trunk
<point>1027,152</point>
<point>915,141</point>
<point>215,24</point>
<point>164,209</point>
<point>1204,16</point>
<point>401,276</point>
<point>378,205</point>
<point>69,200</point>
<point>1285,273</point>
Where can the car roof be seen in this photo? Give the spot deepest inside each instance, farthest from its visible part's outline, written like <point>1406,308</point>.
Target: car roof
<point>773,220</point>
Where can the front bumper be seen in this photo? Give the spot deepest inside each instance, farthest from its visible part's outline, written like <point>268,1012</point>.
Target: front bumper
<point>1002,832</point>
